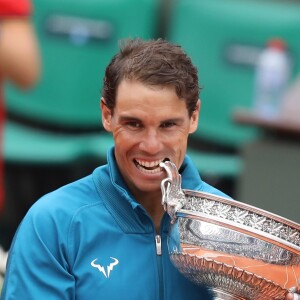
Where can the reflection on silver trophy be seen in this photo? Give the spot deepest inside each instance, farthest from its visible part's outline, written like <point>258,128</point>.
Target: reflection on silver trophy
<point>238,250</point>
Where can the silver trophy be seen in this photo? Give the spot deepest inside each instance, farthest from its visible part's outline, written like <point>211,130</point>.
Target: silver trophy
<point>238,250</point>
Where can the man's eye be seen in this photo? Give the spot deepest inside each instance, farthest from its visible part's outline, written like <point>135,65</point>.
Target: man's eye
<point>168,124</point>
<point>134,124</point>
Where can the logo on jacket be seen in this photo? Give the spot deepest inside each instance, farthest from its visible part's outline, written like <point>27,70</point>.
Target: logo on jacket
<point>105,270</point>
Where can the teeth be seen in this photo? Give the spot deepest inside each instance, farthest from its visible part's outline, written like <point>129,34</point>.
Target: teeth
<point>149,167</point>
<point>148,164</point>
<point>149,171</point>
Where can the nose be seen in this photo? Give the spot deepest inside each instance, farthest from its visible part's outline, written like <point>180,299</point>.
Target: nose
<point>151,142</point>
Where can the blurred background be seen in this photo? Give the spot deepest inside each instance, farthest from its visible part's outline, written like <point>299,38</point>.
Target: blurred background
<point>53,133</point>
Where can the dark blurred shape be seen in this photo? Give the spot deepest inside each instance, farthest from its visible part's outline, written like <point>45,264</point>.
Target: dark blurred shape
<point>271,177</point>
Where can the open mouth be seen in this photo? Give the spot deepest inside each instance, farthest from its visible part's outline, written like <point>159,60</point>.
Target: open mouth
<point>149,167</point>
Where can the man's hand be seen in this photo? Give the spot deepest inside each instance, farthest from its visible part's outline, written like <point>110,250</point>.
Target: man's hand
<point>292,296</point>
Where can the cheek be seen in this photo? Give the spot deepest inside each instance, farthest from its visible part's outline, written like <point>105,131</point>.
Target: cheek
<point>180,135</point>
<point>177,142</point>
<point>124,139</point>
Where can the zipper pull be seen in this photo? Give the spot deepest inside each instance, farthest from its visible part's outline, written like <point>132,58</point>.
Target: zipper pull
<point>158,244</point>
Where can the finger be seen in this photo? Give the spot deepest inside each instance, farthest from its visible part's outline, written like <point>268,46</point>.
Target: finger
<point>296,297</point>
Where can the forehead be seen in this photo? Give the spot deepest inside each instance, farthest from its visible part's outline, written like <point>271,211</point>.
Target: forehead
<point>132,94</point>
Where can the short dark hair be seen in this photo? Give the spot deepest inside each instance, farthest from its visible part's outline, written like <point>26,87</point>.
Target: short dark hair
<point>152,62</point>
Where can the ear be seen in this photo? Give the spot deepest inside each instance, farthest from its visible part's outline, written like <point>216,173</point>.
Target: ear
<point>106,115</point>
<point>195,117</point>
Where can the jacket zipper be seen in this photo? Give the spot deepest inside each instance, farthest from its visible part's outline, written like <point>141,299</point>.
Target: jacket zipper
<point>159,265</point>
<point>158,244</point>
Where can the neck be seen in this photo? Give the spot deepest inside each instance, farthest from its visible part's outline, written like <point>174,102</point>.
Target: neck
<point>153,206</point>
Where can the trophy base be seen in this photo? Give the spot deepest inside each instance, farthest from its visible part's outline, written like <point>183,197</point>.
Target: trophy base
<point>222,295</point>
<point>227,282</point>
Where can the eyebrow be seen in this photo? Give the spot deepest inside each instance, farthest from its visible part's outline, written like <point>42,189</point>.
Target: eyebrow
<point>173,120</point>
<point>129,118</point>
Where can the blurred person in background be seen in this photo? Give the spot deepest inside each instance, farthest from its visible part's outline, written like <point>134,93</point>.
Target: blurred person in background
<point>19,64</point>
<point>105,236</point>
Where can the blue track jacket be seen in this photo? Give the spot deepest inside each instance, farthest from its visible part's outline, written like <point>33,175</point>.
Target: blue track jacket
<point>90,240</point>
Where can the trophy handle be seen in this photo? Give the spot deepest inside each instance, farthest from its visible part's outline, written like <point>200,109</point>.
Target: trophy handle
<point>173,197</point>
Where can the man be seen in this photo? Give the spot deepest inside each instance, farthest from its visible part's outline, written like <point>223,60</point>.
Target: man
<point>104,236</point>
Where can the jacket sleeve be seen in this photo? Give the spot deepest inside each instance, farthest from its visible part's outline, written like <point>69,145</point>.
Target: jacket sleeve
<point>38,265</point>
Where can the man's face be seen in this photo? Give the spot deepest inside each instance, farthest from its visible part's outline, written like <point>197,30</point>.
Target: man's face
<point>149,125</point>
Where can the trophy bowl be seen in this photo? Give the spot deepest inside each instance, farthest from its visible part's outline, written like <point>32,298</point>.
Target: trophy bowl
<point>237,250</point>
